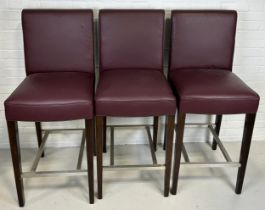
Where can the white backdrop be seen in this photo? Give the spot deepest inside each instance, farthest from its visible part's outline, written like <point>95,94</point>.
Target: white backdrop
<point>249,64</point>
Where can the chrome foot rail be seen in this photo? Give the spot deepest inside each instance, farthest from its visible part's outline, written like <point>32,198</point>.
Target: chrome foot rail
<point>33,170</point>
<point>155,166</point>
<point>227,163</point>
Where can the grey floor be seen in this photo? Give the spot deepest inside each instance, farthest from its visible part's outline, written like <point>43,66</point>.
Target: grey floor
<point>199,188</point>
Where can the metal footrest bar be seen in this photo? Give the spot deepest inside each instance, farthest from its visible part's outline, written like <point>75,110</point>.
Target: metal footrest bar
<point>185,154</point>
<point>184,151</point>
<point>112,166</point>
<point>40,151</point>
<point>128,125</point>
<point>219,143</point>
<point>228,163</point>
<point>63,129</point>
<point>32,174</point>
<point>139,167</point>
<point>210,165</point>
<point>144,125</point>
<point>198,124</point>
<point>153,166</point>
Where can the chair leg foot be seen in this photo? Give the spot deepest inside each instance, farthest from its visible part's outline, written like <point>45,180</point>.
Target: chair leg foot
<point>16,159</point>
<point>178,148</point>
<point>89,124</point>
<point>99,142</point>
<point>218,121</point>
<point>39,134</point>
<point>214,145</point>
<point>245,147</point>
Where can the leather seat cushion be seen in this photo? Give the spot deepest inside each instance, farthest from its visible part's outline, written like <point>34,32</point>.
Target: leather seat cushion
<point>208,91</point>
<point>133,93</point>
<point>52,97</point>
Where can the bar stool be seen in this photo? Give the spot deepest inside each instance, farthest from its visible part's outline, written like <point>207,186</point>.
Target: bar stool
<point>59,85</point>
<point>200,72</point>
<point>131,80</point>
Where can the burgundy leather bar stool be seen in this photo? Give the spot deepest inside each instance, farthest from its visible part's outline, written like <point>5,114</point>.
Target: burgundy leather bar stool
<point>59,85</point>
<point>200,72</point>
<point>131,82</point>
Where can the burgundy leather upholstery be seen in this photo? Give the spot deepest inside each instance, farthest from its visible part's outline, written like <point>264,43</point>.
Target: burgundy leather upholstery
<point>201,64</point>
<point>58,40</point>
<point>131,39</point>
<point>131,81</point>
<point>59,65</point>
<point>208,91</point>
<point>203,39</point>
<point>52,96</point>
<point>128,93</point>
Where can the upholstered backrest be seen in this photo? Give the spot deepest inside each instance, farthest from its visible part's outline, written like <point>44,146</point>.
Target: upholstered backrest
<point>202,39</point>
<point>131,39</point>
<point>58,40</point>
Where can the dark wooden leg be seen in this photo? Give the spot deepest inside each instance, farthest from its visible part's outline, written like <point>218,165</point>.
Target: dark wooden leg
<point>16,159</point>
<point>39,134</point>
<point>99,140</point>
<point>246,142</point>
<point>94,137</point>
<point>105,135</point>
<point>169,134</point>
<point>218,121</point>
<point>178,148</point>
<point>90,153</point>
<point>165,136</point>
<point>155,130</point>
